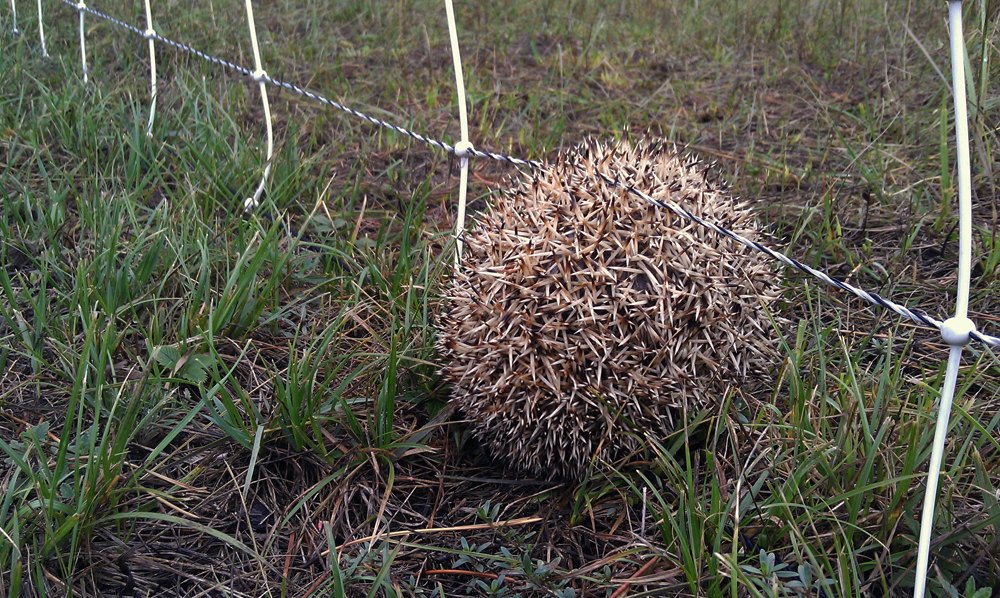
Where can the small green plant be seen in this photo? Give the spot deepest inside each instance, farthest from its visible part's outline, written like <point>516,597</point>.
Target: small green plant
<point>540,575</point>
<point>970,589</point>
<point>497,588</point>
<point>473,555</point>
<point>775,578</point>
<point>191,367</point>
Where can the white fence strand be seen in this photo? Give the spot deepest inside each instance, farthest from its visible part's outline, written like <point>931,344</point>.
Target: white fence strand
<point>260,76</point>
<point>150,34</point>
<point>956,331</point>
<point>41,28</point>
<point>13,14</point>
<point>83,41</point>
<point>462,147</point>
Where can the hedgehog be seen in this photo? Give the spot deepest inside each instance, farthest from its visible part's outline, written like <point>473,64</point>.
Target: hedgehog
<point>583,319</point>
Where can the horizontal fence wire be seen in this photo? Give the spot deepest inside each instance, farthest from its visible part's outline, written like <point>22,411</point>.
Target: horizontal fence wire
<point>471,152</point>
<point>916,316</point>
<point>874,298</point>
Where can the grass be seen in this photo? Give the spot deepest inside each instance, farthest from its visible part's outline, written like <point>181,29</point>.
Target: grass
<point>195,402</point>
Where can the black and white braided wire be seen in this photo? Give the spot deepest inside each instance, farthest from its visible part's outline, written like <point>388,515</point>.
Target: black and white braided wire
<point>873,298</point>
<point>472,152</point>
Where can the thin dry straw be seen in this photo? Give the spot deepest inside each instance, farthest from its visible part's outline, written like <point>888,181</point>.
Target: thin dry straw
<point>873,298</point>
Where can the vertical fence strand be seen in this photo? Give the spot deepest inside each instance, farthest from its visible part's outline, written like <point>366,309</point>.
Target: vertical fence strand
<point>149,34</point>
<point>964,171</point>
<point>13,14</point>
<point>956,331</point>
<point>462,147</point>
<point>41,31</point>
<point>80,8</point>
<point>260,76</point>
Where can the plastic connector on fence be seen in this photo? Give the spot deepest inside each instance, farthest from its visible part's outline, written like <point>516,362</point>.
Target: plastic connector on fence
<point>958,330</point>
<point>259,75</point>
<point>81,7</point>
<point>41,31</point>
<point>464,148</point>
<point>150,35</point>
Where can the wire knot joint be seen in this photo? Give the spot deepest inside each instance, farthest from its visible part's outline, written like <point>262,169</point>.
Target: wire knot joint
<point>81,6</point>
<point>957,331</point>
<point>149,33</point>
<point>464,149</point>
<point>259,75</point>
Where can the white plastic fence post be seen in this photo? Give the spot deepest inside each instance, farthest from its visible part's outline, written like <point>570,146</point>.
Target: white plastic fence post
<point>463,147</point>
<point>13,11</point>
<point>260,76</point>
<point>80,6</point>
<point>149,34</point>
<point>41,30</point>
<point>955,330</point>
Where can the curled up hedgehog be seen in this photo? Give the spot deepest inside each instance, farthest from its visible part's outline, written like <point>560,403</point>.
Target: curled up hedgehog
<point>583,318</point>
